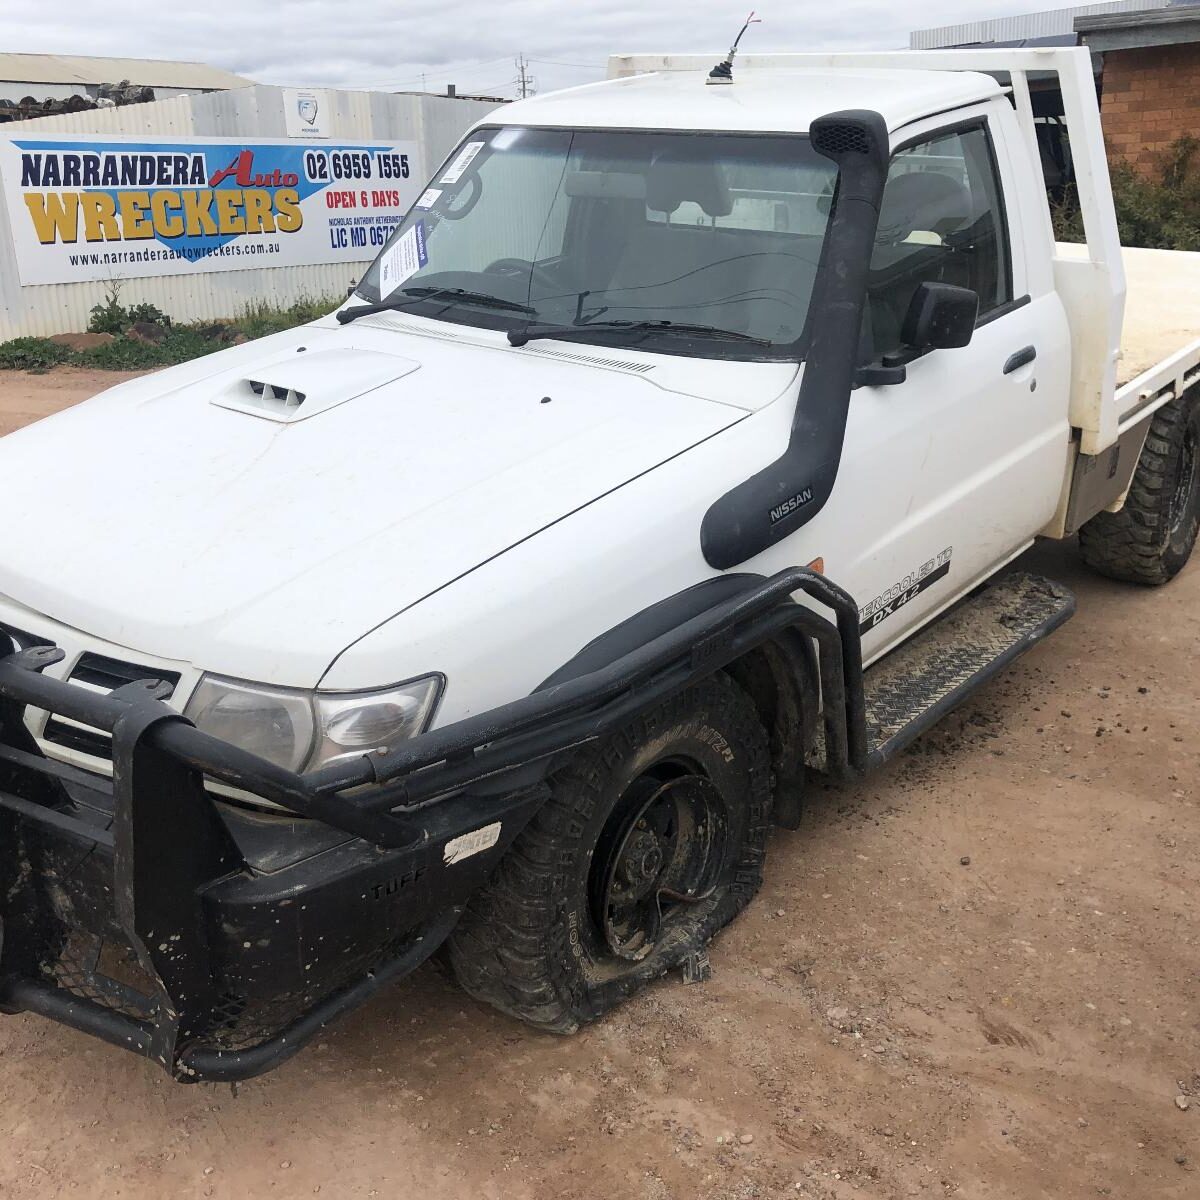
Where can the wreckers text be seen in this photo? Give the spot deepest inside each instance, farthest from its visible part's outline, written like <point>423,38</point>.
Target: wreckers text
<point>155,196</point>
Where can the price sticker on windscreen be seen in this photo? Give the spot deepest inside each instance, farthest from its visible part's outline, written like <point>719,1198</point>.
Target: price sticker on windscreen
<point>466,156</point>
<point>402,259</point>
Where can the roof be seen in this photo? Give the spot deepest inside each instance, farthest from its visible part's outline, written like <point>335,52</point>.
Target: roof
<point>1173,26</point>
<point>1025,29</point>
<point>145,72</point>
<point>784,100</point>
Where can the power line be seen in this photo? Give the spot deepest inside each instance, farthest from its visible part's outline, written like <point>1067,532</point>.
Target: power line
<point>448,70</point>
<point>550,62</point>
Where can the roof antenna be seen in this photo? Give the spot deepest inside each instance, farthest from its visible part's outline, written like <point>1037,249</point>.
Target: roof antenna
<point>723,71</point>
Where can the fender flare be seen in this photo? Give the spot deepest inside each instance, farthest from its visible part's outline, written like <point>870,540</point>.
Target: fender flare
<point>788,698</point>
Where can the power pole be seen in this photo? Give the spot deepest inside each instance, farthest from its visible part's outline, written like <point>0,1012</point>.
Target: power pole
<point>525,81</point>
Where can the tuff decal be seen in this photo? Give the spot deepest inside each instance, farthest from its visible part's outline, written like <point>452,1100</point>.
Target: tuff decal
<point>899,594</point>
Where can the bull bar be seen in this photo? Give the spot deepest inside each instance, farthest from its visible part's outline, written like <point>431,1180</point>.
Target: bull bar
<point>215,940</point>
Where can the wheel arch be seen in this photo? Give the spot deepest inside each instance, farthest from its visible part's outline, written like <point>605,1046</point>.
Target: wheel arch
<point>780,676</point>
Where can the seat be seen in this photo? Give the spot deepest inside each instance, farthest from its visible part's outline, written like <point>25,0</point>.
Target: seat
<point>687,173</point>
<point>924,235</point>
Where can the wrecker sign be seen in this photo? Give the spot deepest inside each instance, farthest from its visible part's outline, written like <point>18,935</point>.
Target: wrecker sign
<point>124,208</point>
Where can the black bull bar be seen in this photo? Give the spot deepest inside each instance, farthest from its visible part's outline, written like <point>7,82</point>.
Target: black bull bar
<point>216,939</point>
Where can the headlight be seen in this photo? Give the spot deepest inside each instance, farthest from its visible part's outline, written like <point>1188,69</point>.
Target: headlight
<point>302,730</point>
<point>350,724</point>
<point>276,725</point>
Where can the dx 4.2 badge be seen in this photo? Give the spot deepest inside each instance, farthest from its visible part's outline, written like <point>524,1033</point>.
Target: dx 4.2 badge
<point>905,591</point>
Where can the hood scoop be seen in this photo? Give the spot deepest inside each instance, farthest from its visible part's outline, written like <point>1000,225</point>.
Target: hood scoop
<point>275,398</point>
<point>301,384</point>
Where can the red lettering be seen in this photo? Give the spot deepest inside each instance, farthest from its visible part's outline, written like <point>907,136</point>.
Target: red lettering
<point>240,166</point>
<point>241,169</point>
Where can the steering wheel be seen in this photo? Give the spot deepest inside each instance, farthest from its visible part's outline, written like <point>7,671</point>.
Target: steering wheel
<point>469,200</point>
<point>522,268</point>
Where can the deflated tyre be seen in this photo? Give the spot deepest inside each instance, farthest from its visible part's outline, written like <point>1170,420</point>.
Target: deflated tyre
<point>651,842</point>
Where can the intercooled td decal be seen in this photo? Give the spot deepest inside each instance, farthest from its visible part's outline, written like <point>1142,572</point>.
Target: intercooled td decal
<point>93,210</point>
<point>899,594</point>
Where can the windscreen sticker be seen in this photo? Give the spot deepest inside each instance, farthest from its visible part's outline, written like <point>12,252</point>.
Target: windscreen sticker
<point>402,259</point>
<point>429,198</point>
<point>909,588</point>
<point>475,842</point>
<point>458,168</point>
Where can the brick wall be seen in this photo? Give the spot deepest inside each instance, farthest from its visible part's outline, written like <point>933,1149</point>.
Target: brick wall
<point>1150,97</point>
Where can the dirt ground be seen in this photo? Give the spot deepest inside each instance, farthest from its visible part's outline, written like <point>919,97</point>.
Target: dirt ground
<point>974,975</point>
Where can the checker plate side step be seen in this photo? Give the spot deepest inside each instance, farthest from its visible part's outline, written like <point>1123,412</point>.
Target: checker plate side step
<point>911,689</point>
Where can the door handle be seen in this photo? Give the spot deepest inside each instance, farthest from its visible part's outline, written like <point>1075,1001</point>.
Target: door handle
<point>1021,358</point>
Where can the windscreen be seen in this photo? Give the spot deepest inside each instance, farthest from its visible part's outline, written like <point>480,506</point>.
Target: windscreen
<point>571,227</point>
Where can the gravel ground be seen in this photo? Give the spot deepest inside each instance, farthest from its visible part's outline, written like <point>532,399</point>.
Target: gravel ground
<point>973,975</point>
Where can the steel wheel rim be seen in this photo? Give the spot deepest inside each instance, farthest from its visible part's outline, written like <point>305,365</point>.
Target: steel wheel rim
<point>661,852</point>
<point>1185,483</point>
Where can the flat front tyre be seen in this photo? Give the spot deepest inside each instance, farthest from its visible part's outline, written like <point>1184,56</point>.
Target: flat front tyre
<point>1150,540</point>
<point>651,841</point>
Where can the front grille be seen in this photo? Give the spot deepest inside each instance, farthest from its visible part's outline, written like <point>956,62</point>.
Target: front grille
<point>97,673</point>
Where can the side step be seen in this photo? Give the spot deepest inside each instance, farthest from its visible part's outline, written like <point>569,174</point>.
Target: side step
<point>916,685</point>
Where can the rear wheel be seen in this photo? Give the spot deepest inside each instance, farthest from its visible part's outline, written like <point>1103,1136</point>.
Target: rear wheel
<point>650,842</point>
<point>1150,540</point>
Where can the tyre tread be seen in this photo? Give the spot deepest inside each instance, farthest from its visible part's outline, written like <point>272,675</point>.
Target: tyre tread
<point>1132,545</point>
<point>508,949</point>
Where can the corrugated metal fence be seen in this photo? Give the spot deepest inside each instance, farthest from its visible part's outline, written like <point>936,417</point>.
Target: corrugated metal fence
<point>434,122</point>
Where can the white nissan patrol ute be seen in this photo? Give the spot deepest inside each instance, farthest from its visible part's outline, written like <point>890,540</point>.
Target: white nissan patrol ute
<point>671,452</point>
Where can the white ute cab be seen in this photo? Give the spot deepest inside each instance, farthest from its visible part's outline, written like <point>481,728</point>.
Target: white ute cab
<point>671,452</point>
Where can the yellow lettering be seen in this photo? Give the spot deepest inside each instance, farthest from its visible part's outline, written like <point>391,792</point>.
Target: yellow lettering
<point>99,217</point>
<point>134,224</point>
<point>161,204</point>
<point>288,218</point>
<point>229,218</point>
<point>55,217</point>
<point>258,212</point>
<point>196,215</point>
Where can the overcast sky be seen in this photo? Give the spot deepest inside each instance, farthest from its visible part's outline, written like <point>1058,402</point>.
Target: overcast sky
<point>394,43</point>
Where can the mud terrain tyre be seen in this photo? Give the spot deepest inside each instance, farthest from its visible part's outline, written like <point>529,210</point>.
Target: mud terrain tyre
<point>1151,538</point>
<point>652,840</point>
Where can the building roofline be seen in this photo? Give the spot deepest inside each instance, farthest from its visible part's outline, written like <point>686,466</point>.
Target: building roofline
<point>18,66</point>
<point>1134,30</point>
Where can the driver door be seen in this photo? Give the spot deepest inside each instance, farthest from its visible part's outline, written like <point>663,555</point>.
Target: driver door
<point>959,466</point>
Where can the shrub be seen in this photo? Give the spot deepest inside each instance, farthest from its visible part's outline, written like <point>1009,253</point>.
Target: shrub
<point>32,354</point>
<point>1161,211</point>
<point>180,343</point>
<point>258,320</point>
<point>114,317</point>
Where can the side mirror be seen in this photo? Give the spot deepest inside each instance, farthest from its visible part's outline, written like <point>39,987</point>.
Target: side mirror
<point>940,317</point>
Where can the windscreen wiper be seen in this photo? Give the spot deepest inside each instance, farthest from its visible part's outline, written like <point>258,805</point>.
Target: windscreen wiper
<point>407,296</point>
<point>518,337</point>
